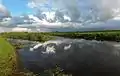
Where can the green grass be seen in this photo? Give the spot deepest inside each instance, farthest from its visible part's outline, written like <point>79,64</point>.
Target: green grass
<point>7,58</point>
<point>27,36</point>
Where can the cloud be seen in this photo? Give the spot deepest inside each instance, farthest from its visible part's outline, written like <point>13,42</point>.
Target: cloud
<point>58,14</point>
<point>84,11</point>
<point>18,29</point>
<point>32,5</point>
<point>4,11</point>
<point>64,15</point>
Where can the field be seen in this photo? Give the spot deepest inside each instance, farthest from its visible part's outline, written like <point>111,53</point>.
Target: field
<point>7,58</point>
<point>111,35</point>
<point>27,36</point>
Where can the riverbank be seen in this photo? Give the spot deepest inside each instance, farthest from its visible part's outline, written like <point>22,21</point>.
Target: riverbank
<point>10,64</point>
<point>26,54</point>
<point>7,58</point>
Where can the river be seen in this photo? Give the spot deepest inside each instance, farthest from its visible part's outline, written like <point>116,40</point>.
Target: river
<point>78,56</point>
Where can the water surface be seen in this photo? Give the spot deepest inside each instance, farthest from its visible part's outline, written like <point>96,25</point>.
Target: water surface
<point>77,56</point>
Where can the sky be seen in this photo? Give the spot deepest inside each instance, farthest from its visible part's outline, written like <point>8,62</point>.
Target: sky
<point>17,7</point>
<point>72,8</point>
<point>60,14</point>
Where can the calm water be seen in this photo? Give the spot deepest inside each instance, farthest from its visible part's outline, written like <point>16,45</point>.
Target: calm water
<point>83,57</point>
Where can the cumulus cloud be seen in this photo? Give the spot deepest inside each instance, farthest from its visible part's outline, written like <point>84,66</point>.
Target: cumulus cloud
<point>83,11</point>
<point>64,15</point>
<point>4,11</point>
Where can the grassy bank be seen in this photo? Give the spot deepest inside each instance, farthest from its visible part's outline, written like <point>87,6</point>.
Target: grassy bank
<point>7,58</point>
